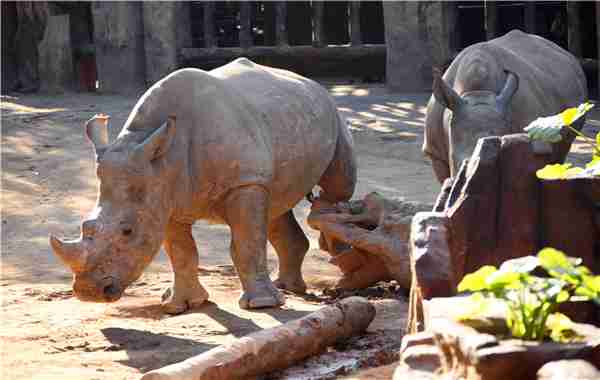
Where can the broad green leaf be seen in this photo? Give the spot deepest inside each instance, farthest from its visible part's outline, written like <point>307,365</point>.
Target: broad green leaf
<point>503,280</point>
<point>557,171</point>
<point>545,129</point>
<point>561,328</point>
<point>562,296</point>
<point>476,281</point>
<point>477,307</point>
<point>520,265</point>
<point>570,115</point>
<point>553,259</point>
<point>595,158</point>
<point>592,283</point>
<point>554,287</point>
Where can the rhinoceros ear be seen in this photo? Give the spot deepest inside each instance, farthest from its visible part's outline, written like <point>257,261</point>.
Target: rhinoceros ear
<point>96,130</point>
<point>158,143</point>
<point>510,88</point>
<point>444,93</point>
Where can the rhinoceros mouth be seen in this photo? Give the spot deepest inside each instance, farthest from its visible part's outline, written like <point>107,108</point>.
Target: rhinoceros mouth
<point>112,289</point>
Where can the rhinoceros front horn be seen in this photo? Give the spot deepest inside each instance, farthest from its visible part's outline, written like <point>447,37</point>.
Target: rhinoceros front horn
<point>69,252</point>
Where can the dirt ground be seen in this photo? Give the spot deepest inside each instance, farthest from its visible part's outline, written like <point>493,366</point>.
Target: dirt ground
<point>49,185</point>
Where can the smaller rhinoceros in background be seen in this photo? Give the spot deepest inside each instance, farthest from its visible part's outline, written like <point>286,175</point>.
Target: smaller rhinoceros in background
<point>497,88</point>
<point>245,144</point>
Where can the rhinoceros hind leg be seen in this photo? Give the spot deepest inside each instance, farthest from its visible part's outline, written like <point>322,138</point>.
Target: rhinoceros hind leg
<point>291,245</point>
<point>186,292</point>
<point>246,210</point>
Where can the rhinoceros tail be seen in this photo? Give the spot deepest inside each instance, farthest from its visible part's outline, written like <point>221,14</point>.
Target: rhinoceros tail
<point>339,180</point>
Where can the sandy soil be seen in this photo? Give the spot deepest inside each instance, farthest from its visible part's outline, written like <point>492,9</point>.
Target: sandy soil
<point>48,185</point>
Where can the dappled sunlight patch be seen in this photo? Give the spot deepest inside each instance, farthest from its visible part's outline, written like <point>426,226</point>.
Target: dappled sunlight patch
<point>346,90</point>
<point>13,108</point>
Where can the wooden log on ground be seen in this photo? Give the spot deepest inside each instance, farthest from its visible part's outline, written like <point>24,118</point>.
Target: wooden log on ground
<point>367,238</point>
<point>274,348</point>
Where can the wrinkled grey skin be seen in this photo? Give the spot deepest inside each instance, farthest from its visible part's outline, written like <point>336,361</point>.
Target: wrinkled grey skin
<point>245,144</point>
<point>496,88</point>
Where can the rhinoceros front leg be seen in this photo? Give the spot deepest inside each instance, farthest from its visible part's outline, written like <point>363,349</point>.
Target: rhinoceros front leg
<point>186,292</point>
<point>246,213</point>
<point>291,245</point>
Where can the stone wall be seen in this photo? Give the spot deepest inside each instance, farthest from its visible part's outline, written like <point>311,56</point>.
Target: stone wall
<point>119,41</point>
<point>417,36</point>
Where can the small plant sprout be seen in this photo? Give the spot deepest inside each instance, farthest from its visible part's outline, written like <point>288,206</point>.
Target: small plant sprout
<point>549,129</point>
<point>531,301</point>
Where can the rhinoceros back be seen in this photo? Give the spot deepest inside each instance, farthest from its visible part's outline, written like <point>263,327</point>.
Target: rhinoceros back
<point>550,80</point>
<point>244,124</point>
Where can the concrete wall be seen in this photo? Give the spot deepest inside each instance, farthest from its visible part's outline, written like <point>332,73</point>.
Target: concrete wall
<point>160,39</point>
<point>119,41</point>
<point>55,64</point>
<point>417,36</point>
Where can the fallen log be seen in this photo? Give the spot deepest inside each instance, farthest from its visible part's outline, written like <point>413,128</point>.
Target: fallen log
<point>367,239</point>
<point>275,348</point>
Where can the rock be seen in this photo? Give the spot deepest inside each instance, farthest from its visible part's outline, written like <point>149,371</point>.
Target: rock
<point>568,369</point>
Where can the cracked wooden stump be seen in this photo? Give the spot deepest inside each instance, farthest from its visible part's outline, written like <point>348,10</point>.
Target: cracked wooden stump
<point>367,239</point>
<point>496,209</point>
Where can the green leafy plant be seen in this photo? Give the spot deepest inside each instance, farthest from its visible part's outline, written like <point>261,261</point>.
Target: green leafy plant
<point>549,129</point>
<point>531,301</point>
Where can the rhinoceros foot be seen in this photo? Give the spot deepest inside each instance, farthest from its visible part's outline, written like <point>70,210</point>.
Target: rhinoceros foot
<point>177,301</point>
<point>294,284</point>
<point>263,295</point>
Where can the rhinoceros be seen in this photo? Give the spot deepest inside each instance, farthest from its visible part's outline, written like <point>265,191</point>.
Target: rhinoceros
<point>239,145</point>
<point>496,88</point>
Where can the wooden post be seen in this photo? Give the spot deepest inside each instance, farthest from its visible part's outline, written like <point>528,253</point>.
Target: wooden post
<point>491,19</point>
<point>319,39</point>
<point>355,36</point>
<point>573,28</point>
<point>246,39</point>
<point>281,23</point>
<point>209,25</point>
<point>529,9</point>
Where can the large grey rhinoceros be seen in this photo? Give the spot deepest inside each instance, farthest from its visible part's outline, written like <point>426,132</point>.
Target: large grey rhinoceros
<point>244,145</point>
<point>496,88</point>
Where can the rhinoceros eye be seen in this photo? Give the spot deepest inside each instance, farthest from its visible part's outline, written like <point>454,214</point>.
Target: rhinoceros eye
<point>126,231</point>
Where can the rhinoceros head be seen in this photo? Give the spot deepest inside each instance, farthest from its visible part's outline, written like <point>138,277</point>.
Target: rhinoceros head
<point>473,115</point>
<point>126,228</point>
